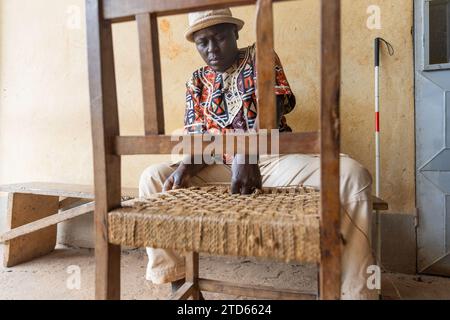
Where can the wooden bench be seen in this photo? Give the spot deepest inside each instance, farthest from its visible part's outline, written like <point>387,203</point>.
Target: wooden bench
<point>33,211</point>
<point>35,208</point>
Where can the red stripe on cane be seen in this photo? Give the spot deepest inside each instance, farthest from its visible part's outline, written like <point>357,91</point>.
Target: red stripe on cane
<point>377,121</point>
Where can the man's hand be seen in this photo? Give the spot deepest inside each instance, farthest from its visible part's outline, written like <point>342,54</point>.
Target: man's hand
<point>245,177</point>
<point>178,179</point>
<point>181,177</point>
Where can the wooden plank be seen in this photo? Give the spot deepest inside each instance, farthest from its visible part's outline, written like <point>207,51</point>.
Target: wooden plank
<point>263,292</point>
<point>151,73</point>
<point>192,273</point>
<point>105,126</point>
<point>60,189</point>
<point>46,222</point>
<point>120,10</point>
<point>184,292</point>
<point>68,203</point>
<point>330,242</point>
<point>79,191</point>
<point>299,142</point>
<point>379,204</point>
<point>23,209</point>
<point>265,65</point>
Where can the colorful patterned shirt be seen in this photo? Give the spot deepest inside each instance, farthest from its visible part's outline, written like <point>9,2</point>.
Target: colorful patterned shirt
<point>220,101</point>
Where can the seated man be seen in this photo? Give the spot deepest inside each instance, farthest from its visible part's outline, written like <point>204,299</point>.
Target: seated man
<point>221,96</point>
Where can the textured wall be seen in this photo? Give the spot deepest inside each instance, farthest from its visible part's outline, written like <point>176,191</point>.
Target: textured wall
<point>44,107</point>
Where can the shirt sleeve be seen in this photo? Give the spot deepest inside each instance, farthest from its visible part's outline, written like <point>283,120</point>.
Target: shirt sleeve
<point>194,116</point>
<point>282,88</point>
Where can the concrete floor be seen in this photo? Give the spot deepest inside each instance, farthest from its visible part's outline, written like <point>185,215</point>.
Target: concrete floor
<point>49,277</point>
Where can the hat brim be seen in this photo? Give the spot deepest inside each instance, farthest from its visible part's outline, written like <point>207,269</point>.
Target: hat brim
<point>209,22</point>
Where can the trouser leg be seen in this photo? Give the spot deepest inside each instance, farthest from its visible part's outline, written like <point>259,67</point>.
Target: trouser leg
<point>356,211</point>
<point>167,265</point>
<point>288,170</point>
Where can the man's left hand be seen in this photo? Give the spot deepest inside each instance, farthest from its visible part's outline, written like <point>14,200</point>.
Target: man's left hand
<point>245,177</point>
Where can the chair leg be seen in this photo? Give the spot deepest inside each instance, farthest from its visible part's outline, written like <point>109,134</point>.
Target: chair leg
<point>107,265</point>
<point>192,261</point>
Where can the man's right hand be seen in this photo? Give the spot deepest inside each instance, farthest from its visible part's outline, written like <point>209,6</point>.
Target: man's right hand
<point>178,179</point>
<point>181,177</point>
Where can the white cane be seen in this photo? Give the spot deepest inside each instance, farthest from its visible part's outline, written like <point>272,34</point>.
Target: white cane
<point>377,136</point>
<point>377,143</point>
<point>377,117</point>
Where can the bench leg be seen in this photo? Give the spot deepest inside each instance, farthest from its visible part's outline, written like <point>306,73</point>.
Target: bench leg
<point>22,209</point>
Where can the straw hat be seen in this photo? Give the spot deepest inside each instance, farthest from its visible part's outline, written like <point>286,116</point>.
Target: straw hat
<point>204,19</point>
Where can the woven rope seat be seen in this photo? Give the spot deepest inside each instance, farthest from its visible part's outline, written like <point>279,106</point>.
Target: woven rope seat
<point>277,223</point>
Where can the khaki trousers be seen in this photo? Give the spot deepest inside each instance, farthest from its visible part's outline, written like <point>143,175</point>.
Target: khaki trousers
<point>280,171</point>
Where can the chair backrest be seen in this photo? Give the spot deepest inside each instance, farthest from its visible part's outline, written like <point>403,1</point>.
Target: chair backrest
<point>109,145</point>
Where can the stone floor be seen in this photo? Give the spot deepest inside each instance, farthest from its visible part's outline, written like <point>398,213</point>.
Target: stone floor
<point>53,277</point>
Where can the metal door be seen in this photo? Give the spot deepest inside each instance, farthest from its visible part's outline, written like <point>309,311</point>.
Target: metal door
<point>432,64</point>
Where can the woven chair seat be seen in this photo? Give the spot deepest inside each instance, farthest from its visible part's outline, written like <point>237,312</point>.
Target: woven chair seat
<point>277,223</point>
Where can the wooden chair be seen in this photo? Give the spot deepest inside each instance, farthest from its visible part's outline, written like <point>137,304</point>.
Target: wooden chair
<point>109,145</point>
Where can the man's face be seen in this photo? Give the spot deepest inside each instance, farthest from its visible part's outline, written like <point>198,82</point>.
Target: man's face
<point>217,45</point>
